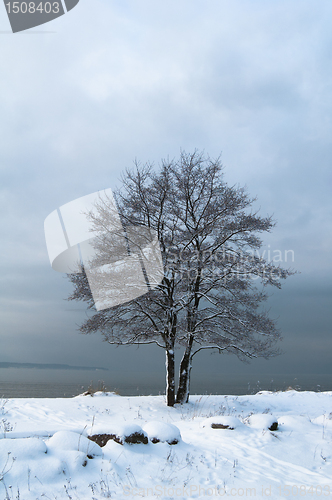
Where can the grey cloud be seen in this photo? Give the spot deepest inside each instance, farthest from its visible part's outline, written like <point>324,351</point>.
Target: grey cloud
<point>141,79</point>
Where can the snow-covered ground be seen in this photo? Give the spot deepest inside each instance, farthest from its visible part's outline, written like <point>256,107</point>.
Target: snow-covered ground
<point>224,449</point>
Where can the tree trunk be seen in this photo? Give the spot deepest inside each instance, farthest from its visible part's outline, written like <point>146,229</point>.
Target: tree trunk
<point>170,384</point>
<point>182,395</point>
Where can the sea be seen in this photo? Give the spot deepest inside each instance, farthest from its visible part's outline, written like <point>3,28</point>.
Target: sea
<point>48,383</point>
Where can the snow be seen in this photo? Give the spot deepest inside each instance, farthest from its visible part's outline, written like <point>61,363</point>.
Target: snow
<point>222,420</point>
<point>45,451</point>
<point>121,429</point>
<point>162,432</point>
<point>262,421</point>
<point>72,441</point>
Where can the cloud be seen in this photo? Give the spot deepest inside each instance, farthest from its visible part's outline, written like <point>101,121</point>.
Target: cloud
<point>144,79</point>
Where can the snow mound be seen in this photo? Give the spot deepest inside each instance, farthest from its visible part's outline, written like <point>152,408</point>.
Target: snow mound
<point>23,448</point>
<point>162,432</point>
<point>72,441</point>
<point>263,421</point>
<point>98,394</point>
<point>324,420</point>
<point>221,422</point>
<point>299,423</point>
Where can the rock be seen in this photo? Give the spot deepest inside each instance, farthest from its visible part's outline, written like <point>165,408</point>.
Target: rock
<point>102,439</point>
<point>128,433</point>
<point>221,426</point>
<point>136,438</point>
<point>221,422</point>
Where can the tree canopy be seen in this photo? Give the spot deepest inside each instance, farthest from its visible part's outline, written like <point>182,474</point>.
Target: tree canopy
<point>214,280</point>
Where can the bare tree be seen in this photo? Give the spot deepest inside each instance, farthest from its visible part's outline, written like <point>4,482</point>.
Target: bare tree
<point>208,297</point>
<point>151,318</point>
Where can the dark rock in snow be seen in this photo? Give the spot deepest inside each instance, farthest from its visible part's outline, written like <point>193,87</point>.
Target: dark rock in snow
<point>129,435</point>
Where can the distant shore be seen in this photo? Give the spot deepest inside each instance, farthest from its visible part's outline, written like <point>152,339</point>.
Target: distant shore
<point>48,366</point>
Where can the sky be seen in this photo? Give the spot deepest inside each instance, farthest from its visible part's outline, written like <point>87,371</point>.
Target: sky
<point>85,95</point>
